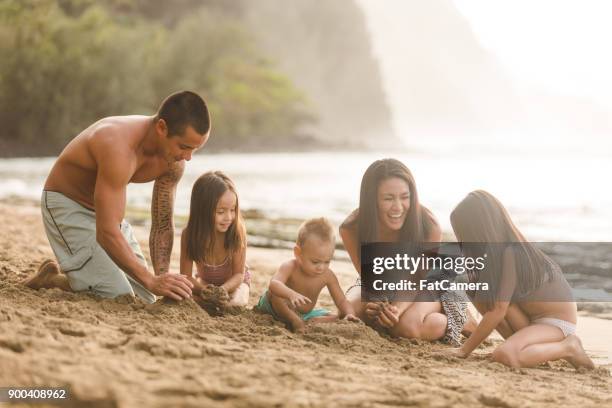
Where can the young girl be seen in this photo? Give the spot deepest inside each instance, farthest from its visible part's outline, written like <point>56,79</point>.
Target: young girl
<point>529,302</point>
<point>215,240</point>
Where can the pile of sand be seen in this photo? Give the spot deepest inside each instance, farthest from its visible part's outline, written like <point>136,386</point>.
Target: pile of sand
<point>125,353</point>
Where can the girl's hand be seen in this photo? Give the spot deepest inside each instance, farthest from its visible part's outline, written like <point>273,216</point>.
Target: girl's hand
<point>388,317</point>
<point>216,294</point>
<point>351,318</point>
<point>224,297</point>
<point>297,300</point>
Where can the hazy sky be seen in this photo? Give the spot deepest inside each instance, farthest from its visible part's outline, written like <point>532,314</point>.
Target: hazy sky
<point>563,45</point>
<point>559,45</point>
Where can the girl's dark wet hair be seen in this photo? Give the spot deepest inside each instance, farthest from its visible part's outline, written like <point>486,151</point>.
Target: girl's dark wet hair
<point>418,224</point>
<point>481,218</point>
<point>200,230</point>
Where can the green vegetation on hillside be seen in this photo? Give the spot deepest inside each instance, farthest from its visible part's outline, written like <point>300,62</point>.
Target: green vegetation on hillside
<point>67,63</point>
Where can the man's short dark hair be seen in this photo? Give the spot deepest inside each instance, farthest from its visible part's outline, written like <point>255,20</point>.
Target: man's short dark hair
<point>183,109</point>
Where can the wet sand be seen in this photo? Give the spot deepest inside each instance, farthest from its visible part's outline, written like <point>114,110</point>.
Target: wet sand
<point>123,353</point>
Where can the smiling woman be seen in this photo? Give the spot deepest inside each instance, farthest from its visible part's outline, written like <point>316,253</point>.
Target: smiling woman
<point>389,208</point>
<point>389,211</point>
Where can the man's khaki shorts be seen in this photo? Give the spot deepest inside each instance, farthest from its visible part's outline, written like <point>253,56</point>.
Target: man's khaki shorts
<point>71,230</point>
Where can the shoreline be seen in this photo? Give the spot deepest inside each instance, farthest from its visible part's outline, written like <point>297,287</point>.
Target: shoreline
<point>24,152</point>
<point>280,233</point>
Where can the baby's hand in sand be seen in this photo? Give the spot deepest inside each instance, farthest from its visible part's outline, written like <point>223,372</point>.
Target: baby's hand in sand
<point>297,300</point>
<point>351,318</point>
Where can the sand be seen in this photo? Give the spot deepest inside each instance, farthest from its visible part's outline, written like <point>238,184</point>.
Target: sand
<point>123,353</point>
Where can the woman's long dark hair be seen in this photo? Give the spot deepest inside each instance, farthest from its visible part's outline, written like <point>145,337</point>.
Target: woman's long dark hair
<point>200,230</point>
<point>481,218</point>
<point>418,223</point>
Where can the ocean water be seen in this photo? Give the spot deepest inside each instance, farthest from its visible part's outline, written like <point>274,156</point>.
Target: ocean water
<point>559,197</point>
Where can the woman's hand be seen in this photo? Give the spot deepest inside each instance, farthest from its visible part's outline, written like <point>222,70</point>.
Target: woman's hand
<point>382,313</point>
<point>388,316</point>
<point>373,309</point>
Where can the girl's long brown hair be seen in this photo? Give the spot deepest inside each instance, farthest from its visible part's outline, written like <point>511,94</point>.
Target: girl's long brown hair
<point>200,230</point>
<point>482,218</point>
<point>418,223</point>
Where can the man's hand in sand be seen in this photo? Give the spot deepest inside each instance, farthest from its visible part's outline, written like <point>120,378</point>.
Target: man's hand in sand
<point>296,300</point>
<point>174,286</point>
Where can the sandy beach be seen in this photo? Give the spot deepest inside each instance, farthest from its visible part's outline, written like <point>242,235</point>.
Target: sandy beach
<point>124,353</point>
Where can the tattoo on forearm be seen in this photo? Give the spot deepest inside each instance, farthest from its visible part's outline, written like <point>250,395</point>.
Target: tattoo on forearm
<point>161,237</point>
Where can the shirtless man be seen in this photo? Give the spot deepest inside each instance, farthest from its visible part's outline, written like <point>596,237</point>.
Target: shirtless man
<point>84,199</point>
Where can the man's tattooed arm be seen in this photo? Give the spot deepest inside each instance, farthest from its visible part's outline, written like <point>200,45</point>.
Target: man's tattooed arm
<point>161,237</point>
